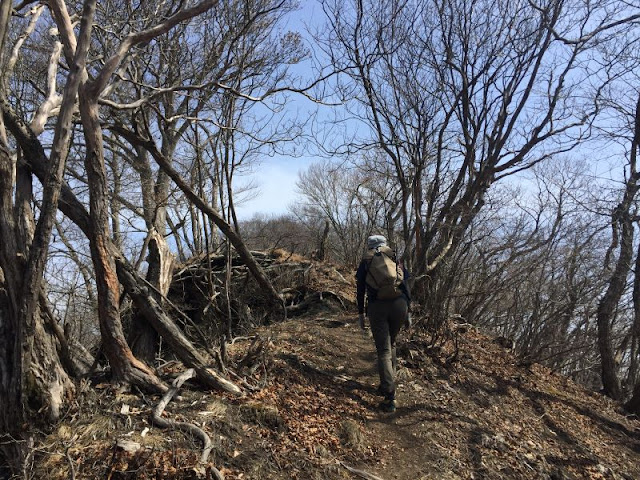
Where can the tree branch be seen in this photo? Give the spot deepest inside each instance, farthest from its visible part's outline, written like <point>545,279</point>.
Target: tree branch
<point>111,65</point>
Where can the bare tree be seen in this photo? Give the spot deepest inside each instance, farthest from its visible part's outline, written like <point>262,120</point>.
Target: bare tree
<point>31,368</point>
<point>532,270</point>
<point>30,364</point>
<point>622,224</point>
<point>460,94</point>
<point>349,198</point>
<point>194,108</point>
<point>263,232</point>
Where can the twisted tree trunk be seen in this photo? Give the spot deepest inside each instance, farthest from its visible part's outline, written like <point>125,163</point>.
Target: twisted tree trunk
<point>32,378</point>
<point>622,225</point>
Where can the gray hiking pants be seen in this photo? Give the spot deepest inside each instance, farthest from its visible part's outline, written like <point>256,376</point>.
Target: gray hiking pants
<point>386,318</point>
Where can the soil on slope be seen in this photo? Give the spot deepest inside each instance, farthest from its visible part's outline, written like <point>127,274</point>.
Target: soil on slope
<point>315,416</point>
<point>481,416</point>
<point>466,410</point>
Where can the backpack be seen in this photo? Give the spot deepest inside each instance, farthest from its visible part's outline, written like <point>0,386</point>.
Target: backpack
<point>384,275</point>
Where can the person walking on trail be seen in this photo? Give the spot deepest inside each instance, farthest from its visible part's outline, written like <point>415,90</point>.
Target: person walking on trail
<point>384,281</point>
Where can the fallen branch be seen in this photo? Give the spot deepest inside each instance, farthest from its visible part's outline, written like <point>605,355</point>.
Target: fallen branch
<point>72,470</point>
<point>184,426</point>
<point>166,327</point>
<point>243,382</point>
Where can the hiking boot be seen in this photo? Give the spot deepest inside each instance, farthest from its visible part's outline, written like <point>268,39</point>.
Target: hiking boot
<point>388,405</point>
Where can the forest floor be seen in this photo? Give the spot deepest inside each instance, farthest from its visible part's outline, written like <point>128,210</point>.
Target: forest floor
<point>466,410</point>
<point>315,417</point>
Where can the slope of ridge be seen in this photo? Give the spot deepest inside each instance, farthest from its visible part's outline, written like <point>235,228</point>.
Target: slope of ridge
<point>310,411</point>
<point>481,416</point>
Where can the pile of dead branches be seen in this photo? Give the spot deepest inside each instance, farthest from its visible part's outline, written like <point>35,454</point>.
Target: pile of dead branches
<point>218,293</point>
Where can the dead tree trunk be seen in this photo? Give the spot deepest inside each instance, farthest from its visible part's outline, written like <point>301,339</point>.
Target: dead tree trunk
<point>322,248</point>
<point>143,337</point>
<point>167,328</point>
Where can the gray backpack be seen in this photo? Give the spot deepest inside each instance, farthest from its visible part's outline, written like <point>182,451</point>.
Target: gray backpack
<point>384,275</point>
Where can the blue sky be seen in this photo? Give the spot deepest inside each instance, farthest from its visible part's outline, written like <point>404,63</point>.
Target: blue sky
<point>275,180</point>
<point>275,177</point>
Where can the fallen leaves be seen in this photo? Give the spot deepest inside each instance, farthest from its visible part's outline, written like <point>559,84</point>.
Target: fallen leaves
<point>483,417</point>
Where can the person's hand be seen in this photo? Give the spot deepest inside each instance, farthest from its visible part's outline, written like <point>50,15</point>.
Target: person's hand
<point>361,321</point>
<point>408,323</point>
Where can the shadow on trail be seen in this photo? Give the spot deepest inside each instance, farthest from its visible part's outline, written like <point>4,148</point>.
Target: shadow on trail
<point>412,425</point>
<point>606,425</point>
<point>332,381</point>
<point>541,401</point>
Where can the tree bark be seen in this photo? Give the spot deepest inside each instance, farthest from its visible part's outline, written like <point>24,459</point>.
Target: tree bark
<point>12,415</point>
<point>633,405</point>
<point>606,310</point>
<point>632,377</point>
<point>95,225</point>
<point>622,224</point>
<point>11,330</point>
<point>32,378</point>
<point>125,367</point>
<point>322,248</point>
<point>144,338</point>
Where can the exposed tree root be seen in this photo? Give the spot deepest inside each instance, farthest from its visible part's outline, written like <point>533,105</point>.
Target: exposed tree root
<point>184,426</point>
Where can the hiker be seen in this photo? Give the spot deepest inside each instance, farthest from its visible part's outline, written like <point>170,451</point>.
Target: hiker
<point>387,309</point>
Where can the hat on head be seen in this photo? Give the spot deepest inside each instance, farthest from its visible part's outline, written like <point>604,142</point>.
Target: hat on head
<point>375,241</point>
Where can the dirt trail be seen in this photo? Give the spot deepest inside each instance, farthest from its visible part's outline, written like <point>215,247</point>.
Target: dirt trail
<point>401,443</point>
<point>479,417</point>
